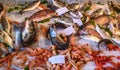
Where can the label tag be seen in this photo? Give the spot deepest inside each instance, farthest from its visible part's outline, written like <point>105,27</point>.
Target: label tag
<point>78,21</point>
<point>80,14</point>
<point>58,59</point>
<point>68,31</point>
<point>62,10</point>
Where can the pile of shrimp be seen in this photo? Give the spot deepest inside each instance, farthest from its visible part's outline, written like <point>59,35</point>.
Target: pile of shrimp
<point>76,57</point>
<point>31,57</point>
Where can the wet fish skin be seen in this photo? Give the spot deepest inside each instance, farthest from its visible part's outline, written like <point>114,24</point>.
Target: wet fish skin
<point>28,33</point>
<point>17,30</point>
<point>116,39</point>
<point>90,38</point>
<point>41,15</point>
<point>30,7</point>
<point>102,33</point>
<point>6,39</point>
<point>5,24</point>
<point>56,3</point>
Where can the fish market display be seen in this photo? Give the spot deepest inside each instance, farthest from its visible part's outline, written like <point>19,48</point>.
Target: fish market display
<point>60,36</point>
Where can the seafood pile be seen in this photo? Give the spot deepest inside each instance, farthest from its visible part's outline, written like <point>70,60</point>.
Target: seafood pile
<point>51,38</point>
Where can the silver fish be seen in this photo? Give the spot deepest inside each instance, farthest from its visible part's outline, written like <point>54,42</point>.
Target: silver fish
<point>90,31</point>
<point>102,33</point>
<point>56,3</point>
<point>116,39</point>
<point>64,20</point>
<point>90,38</point>
<point>28,33</point>
<point>30,6</point>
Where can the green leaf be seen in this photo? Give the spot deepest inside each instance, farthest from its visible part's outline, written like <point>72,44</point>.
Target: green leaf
<point>44,2</point>
<point>10,10</point>
<point>87,8</point>
<point>43,21</point>
<point>92,22</point>
<point>20,4</point>
<point>26,68</point>
<point>16,8</point>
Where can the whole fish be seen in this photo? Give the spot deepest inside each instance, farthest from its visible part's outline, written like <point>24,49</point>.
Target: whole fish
<point>43,14</point>
<point>90,31</point>
<point>30,6</point>
<point>102,33</point>
<point>116,39</point>
<point>6,39</point>
<point>28,33</point>
<point>5,24</point>
<point>90,38</point>
<point>64,20</point>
